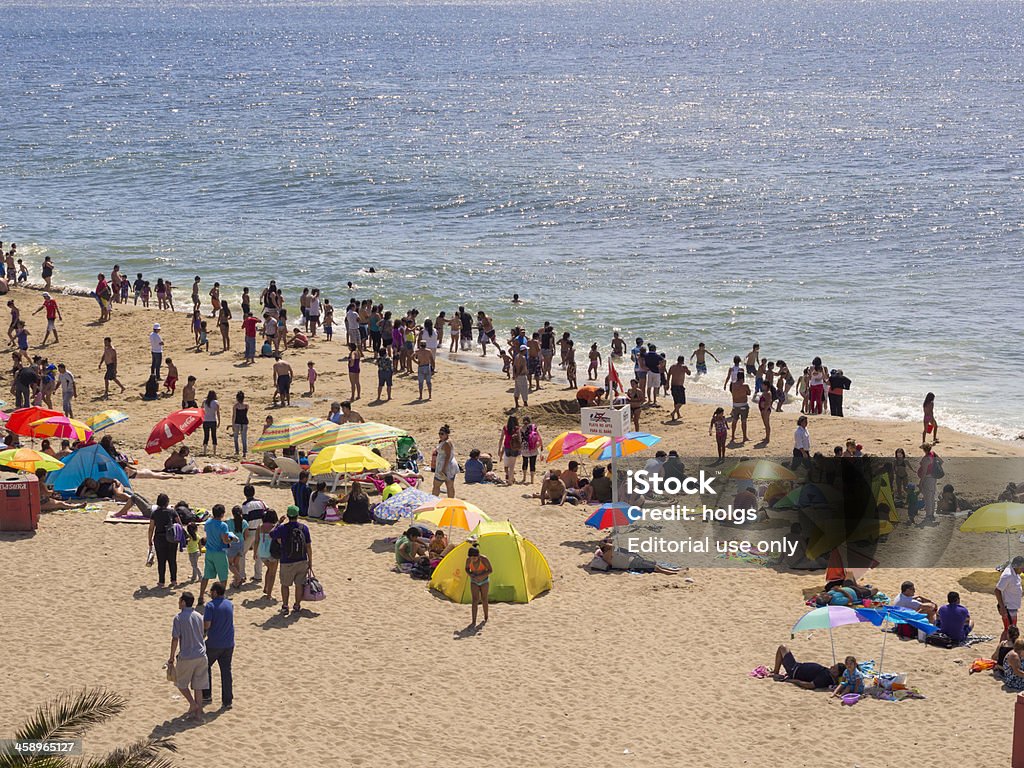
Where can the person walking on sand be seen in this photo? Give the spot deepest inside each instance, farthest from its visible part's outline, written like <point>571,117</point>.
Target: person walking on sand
<point>520,377</point>
<point>188,655</point>
<point>282,376</point>
<point>478,569</point>
<point>929,470</point>
<point>224,323</point>
<point>219,625</point>
<point>296,557</point>
<point>677,382</point>
<point>764,405</point>
<point>240,423</point>
<point>930,425</point>
<point>445,465</point>
<point>196,303</point>
<point>424,360</point>
<point>109,359</point>
<point>52,316</point>
<point>1009,594</point>
<point>801,445</point>
<point>218,539</point>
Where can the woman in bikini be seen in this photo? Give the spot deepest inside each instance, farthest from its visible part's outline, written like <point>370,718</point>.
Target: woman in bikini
<point>354,355</point>
<point>930,425</point>
<point>479,570</point>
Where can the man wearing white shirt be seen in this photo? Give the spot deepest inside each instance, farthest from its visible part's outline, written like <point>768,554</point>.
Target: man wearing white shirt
<point>801,444</point>
<point>68,388</point>
<point>352,325</point>
<point>1008,594</point>
<point>156,346</point>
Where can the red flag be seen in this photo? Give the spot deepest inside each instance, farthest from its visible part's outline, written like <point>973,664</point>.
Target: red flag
<point>613,378</point>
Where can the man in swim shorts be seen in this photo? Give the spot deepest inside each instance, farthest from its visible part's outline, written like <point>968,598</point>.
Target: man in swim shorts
<point>109,359</point>
<point>677,382</point>
<point>282,374</point>
<point>424,360</point>
<point>740,405</point>
<point>699,353</point>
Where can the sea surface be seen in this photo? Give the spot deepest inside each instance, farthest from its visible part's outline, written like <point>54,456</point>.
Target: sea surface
<point>840,179</point>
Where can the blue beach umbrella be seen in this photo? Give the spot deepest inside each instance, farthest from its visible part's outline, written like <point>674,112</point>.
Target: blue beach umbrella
<point>884,614</point>
<point>403,504</point>
<point>628,444</point>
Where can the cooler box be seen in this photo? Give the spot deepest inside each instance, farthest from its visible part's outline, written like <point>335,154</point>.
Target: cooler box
<point>19,502</point>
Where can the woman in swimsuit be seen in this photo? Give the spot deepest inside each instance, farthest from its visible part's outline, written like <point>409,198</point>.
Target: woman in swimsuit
<point>764,405</point>
<point>930,425</point>
<point>479,570</point>
<point>353,371</point>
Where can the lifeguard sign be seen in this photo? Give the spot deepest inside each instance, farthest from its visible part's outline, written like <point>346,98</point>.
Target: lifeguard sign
<point>606,420</point>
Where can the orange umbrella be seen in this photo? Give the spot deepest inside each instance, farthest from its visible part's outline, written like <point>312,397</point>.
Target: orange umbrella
<point>21,420</point>
<point>62,427</point>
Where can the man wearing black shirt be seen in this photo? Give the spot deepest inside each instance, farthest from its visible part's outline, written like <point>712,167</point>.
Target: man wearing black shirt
<point>836,384</point>
<point>26,380</point>
<point>655,365</point>
<point>805,674</point>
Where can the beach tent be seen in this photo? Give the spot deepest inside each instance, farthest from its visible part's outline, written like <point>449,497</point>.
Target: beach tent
<point>91,461</point>
<point>520,570</point>
<point>883,495</point>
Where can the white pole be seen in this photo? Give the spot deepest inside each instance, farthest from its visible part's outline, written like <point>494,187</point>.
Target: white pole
<point>832,640</point>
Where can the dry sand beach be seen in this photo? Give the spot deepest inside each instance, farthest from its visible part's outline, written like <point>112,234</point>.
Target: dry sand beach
<point>605,670</point>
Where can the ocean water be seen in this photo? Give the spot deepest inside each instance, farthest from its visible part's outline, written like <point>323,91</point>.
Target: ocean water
<point>834,179</point>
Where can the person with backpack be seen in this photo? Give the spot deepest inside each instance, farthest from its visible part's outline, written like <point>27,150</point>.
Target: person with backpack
<point>163,539</point>
<point>290,543</point>
<point>509,448</point>
<point>253,510</point>
<point>929,471</point>
<point>530,443</point>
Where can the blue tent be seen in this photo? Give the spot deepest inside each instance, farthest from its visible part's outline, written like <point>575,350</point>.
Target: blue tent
<point>91,461</point>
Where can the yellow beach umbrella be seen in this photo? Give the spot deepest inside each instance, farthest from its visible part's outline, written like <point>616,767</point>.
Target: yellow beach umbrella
<point>365,433</point>
<point>760,470</point>
<point>1002,517</point>
<point>346,459</point>
<point>27,460</point>
<point>449,513</point>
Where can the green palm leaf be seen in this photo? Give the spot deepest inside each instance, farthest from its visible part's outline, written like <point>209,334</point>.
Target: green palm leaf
<point>70,714</point>
<point>146,753</point>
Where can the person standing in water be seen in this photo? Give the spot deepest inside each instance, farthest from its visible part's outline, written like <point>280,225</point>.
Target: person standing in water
<point>930,425</point>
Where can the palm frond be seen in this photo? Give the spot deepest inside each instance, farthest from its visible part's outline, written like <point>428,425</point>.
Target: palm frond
<point>11,759</point>
<point>145,753</point>
<point>70,714</point>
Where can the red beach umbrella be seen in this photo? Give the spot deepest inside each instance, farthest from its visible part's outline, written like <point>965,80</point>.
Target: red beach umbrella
<point>173,428</point>
<point>20,422</point>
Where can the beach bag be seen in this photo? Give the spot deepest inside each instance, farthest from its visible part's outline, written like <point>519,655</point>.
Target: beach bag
<point>940,639</point>
<point>937,471</point>
<point>275,548</point>
<point>170,534</point>
<point>151,557</point>
<point>266,546</point>
<point>314,589</point>
<point>906,631</point>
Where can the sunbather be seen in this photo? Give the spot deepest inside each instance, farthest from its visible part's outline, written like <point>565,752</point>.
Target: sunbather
<point>910,601</point>
<point>618,560</point>
<point>804,674</point>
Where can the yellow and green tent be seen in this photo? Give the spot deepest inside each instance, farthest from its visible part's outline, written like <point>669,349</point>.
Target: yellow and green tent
<point>520,570</point>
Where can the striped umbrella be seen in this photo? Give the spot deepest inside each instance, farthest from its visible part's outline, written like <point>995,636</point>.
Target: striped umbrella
<point>346,459</point>
<point>20,421</point>
<point>573,442</point>
<point>61,427</point>
<point>610,516</point>
<point>628,444</point>
<point>367,433</point>
<point>292,431</point>
<point>446,513</point>
<point>105,419</point>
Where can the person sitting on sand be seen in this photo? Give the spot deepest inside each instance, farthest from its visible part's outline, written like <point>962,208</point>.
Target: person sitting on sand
<point>954,619</point>
<point>907,599</point>
<point>409,550</point>
<point>948,502</point>
<point>852,680</point>
<point>357,506</point>
<point>570,477</point>
<point>477,471</point>
<point>299,340</point>
<point>47,503</point>
<point>1012,492</point>
<point>180,462</point>
<point>1013,672</point>
<point>439,545</point>
<point>807,674</point>
<point>583,493</point>
<point>601,486</point>
<point>619,560</point>
<point>1004,647</point>
<point>552,489</point>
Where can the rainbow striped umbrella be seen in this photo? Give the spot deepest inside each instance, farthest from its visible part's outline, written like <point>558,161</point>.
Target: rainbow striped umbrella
<point>367,433</point>
<point>105,419</point>
<point>610,515</point>
<point>573,442</point>
<point>292,431</point>
<point>628,444</point>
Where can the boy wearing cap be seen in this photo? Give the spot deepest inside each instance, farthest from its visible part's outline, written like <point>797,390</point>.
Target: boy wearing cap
<point>52,315</point>
<point>156,346</point>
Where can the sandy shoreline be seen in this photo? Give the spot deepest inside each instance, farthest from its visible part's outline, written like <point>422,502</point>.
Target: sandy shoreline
<point>603,664</point>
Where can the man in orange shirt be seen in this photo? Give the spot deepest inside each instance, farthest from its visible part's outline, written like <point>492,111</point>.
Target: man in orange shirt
<point>589,396</point>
